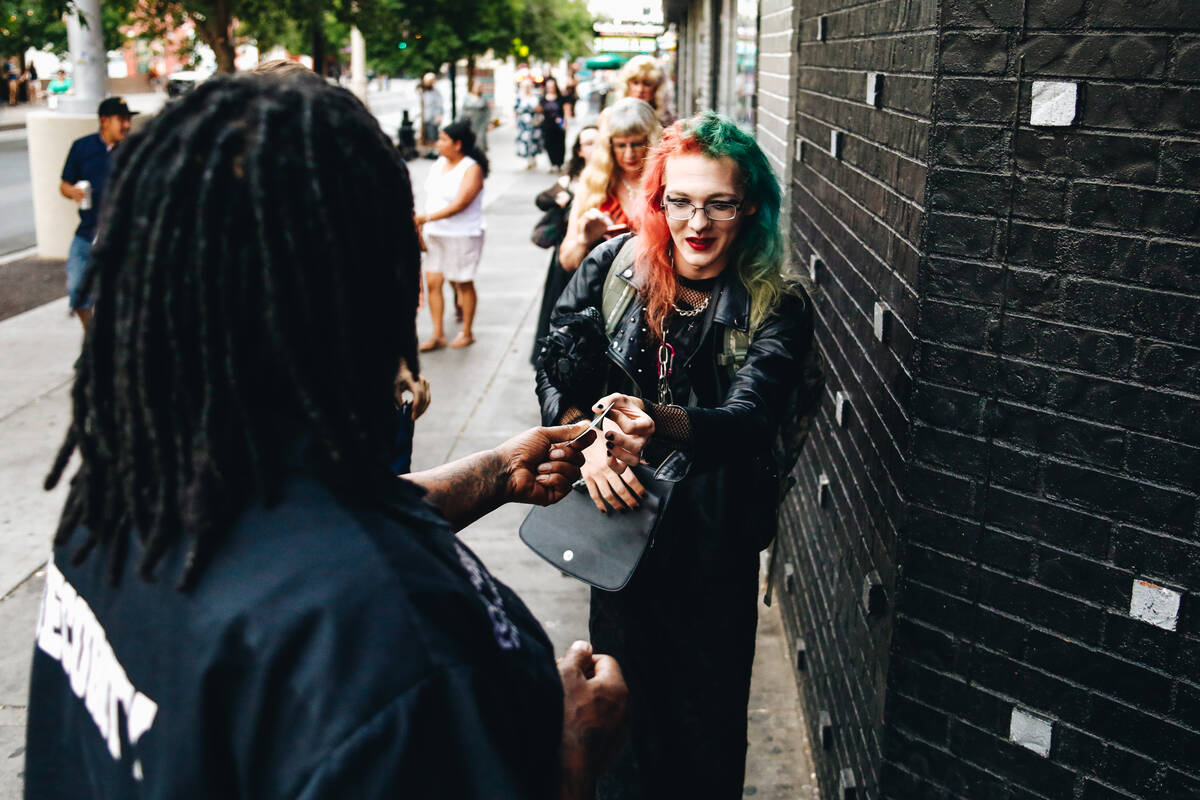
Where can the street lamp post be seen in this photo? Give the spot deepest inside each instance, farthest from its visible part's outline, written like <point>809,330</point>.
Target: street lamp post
<point>89,63</point>
<point>358,64</point>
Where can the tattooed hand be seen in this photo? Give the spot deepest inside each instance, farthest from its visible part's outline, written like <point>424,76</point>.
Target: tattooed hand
<point>539,464</point>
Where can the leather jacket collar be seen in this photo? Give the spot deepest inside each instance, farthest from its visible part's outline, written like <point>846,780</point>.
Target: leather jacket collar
<point>731,298</point>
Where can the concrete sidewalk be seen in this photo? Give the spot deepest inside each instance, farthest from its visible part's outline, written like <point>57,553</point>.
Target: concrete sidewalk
<point>481,395</point>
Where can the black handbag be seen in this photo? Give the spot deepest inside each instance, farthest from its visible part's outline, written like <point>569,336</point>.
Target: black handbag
<point>551,228</point>
<point>602,550</point>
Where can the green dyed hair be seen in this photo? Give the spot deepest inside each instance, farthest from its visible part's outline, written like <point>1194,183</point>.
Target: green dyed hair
<point>760,250</point>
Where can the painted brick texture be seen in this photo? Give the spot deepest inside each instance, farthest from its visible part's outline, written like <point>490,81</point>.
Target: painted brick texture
<point>776,81</point>
<point>860,212</point>
<point>1024,442</point>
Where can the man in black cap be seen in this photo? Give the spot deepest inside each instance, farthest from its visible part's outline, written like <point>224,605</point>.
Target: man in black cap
<point>83,177</point>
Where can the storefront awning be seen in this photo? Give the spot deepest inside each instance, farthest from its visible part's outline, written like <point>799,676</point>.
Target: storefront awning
<point>606,61</point>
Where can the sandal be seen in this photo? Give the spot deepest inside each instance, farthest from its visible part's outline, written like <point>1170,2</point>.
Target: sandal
<point>431,344</point>
<point>462,340</point>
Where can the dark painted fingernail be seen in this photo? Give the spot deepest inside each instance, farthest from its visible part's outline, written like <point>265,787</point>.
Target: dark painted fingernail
<point>609,436</point>
<point>604,511</point>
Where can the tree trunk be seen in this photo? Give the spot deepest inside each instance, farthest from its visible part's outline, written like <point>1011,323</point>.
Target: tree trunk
<point>318,47</point>
<point>453,90</point>
<point>470,72</point>
<point>216,29</point>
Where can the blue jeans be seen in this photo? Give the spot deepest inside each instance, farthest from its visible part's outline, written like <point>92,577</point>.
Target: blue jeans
<point>77,265</point>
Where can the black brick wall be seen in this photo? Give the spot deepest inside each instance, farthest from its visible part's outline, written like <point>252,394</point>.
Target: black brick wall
<point>861,213</point>
<point>1024,443</point>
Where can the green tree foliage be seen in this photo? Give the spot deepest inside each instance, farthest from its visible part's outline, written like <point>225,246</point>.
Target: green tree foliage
<point>410,36</point>
<point>414,37</point>
<point>26,24</point>
<point>551,28</point>
<point>38,25</point>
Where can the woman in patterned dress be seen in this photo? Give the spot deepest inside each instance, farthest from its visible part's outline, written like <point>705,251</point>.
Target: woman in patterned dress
<point>529,134</point>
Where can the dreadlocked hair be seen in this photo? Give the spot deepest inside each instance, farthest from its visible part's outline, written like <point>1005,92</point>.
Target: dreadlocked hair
<point>256,278</point>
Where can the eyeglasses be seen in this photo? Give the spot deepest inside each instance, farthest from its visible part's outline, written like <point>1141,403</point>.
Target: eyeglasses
<point>682,210</point>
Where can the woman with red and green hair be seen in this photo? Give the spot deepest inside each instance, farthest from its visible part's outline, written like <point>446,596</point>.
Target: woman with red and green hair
<point>707,268</point>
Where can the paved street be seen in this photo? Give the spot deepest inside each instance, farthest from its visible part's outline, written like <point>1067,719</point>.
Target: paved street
<point>481,395</point>
<point>16,195</point>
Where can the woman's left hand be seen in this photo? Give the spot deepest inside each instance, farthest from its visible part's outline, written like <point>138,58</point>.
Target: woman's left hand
<point>632,431</point>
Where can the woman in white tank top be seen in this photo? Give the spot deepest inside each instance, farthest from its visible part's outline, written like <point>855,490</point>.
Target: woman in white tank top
<point>452,227</point>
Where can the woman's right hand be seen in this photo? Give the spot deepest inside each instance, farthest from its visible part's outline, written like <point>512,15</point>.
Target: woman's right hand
<point>594,223</point>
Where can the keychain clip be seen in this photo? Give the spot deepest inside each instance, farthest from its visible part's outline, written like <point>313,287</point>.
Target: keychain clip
<point>666,360</point>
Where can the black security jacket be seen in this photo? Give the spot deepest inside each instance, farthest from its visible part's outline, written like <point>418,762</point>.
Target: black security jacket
<point>327,652</point>
<point>728,465</point>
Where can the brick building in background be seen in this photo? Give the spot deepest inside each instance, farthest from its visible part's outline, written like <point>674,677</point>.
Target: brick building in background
<point>990,568</point>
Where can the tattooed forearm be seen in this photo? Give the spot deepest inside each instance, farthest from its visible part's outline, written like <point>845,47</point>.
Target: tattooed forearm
<point>466,489</point>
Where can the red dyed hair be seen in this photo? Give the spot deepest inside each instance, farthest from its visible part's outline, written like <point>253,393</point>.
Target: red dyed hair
<point>654,261</point>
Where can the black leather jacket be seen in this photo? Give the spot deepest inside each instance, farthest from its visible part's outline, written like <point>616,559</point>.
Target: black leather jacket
<point>728,464</point>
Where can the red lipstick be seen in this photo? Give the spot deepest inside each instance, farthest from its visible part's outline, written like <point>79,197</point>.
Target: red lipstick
<point>699,243</point>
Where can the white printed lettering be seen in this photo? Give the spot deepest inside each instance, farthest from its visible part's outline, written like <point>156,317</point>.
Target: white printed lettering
<point>69,633</point>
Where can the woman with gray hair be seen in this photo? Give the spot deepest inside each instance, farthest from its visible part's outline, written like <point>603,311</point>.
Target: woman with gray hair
<point>606,204</point>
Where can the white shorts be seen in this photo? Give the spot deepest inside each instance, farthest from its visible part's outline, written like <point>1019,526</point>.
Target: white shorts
<point>456,257</point>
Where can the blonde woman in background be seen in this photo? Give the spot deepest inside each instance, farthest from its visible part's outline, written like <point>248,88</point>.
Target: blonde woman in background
<point>643,78</point>
<point>606,203</point>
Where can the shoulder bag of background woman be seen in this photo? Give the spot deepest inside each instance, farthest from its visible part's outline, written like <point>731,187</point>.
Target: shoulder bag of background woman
<point>552,227</point>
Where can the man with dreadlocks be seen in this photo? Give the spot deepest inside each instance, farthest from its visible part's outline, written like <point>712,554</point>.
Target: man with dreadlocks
<point>243,601</point>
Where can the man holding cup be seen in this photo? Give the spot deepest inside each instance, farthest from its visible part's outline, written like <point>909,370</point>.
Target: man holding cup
<point>83,178</point>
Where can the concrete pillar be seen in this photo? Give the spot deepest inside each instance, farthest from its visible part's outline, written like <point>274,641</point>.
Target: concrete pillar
<point>50,135</point>
<point>358,64</point>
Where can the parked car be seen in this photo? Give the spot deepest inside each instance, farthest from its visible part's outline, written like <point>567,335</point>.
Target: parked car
<point>184,81</point>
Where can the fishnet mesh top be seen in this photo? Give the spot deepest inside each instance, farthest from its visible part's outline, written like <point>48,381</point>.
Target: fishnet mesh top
<point>672,427</point>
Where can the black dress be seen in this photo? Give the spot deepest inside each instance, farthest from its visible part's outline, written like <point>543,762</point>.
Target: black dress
<point>683,628</point>
<point>554,131</point>
<point>691,590</point>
